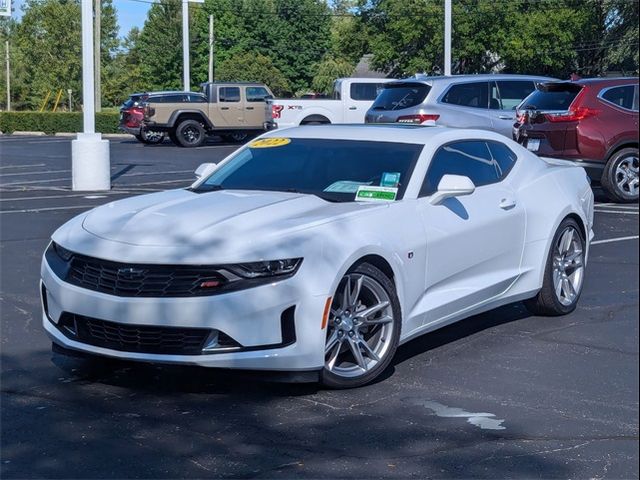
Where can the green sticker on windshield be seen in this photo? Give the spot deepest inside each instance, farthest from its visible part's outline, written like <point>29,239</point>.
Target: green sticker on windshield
<point>376,194</point>
<point>390,179</point>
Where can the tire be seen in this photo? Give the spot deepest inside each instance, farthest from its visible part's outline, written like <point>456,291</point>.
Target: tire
<point>172,136</point>
<point>620,176</point>
<point>236,137</point>
<point>375,336</point>
<point>564,273</point>
<point>190,133</point>
<point>151,137</point>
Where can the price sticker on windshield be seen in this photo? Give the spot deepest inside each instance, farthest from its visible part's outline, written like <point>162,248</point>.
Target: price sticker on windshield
<point>367,193</point>
<point>270,142</point>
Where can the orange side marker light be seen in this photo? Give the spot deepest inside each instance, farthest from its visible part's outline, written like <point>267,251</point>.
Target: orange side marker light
<point>327,309</point>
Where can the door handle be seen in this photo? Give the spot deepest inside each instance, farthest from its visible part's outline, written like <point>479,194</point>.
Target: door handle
<point>249,108</point>
<point>507,203</point>
<point>353,108</point>
<point>224,108</point>
<point>506,117</point>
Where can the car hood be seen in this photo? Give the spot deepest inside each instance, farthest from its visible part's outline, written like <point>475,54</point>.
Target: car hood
<point>179,217</point>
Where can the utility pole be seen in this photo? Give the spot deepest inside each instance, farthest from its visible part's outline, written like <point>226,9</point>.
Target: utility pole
<point>447,37</point>
<point>97,30</point>
<point>211,48</point>
<point>6,46</point>
<point>186,80</point>
<point>90,161</point>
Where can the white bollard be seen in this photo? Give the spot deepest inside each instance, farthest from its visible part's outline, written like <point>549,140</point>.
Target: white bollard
<point>90,163</point>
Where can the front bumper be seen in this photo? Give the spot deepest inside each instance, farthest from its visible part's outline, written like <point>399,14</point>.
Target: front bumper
<point>252,317</point>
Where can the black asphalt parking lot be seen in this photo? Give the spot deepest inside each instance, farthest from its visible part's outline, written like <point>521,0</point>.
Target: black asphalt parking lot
<point>503,394</point>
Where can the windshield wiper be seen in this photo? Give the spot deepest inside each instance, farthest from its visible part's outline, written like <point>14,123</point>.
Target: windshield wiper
<point>208,188</point>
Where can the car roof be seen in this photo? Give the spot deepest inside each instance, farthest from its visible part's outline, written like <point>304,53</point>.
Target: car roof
<point>470,78</point>
<point>165,92</point>
<point>606,80</point>
<point>251,84</point>
<point>381,132</point>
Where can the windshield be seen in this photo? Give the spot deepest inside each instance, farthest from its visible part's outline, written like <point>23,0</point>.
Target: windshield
<point>330,169</point>
<point>397,96</point>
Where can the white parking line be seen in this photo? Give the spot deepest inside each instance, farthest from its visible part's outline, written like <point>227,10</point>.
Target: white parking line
<point>24,166</point>
<point>36,210</point>
<point>617,205</point>
<point>611,240</point>
<point>14,184</point>
<point>32,173</point>
<point>617,212</point>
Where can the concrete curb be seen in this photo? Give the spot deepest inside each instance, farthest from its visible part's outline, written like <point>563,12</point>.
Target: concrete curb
<point>123,136</point>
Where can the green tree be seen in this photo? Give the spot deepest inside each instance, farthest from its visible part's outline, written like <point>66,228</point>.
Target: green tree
<point>327,71</point>
<point>123,75</point>
<point>159,47</point>
<point>254,68</point>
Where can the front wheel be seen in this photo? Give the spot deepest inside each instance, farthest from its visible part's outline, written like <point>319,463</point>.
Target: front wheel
<point>620,176</point>
<point>151,137</point>
<point>363,328</point>
<point>564,273</point>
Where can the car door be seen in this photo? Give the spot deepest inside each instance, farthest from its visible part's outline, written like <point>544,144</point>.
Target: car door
<point>504,97</point>
<point>475,242</point>
<point>361,97</point>
<point>255,98</point>
<point>231,106</point>
<point>465,105</point>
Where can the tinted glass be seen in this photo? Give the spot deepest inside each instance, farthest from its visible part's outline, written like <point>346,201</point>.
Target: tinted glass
<point>635,99</point>
<point>475,95</point>
<point>621,96</point>
<point>365,91</point>
<point>494,97</point>
<point>229,94</point>
<point>330,169</point>
<point>470,159</point>
<point>257,94</point>
<point>401,95</point>
<point>552,97</point>
<point>512,92</point>
<point>504,158</point>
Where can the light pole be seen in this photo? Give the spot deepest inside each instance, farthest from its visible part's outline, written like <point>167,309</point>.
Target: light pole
<point>186,77</point>
<point>447,37</point>
<point>90,163</point>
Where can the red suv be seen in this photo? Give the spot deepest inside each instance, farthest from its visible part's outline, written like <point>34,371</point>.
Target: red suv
<point>593,122</point>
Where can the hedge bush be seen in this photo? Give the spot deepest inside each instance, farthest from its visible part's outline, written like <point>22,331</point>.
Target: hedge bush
<point>55,122</point>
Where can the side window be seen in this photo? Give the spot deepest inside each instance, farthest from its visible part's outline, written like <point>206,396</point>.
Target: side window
<point>469,158</point>
<point>503,157</point>
<point>512,92</point>
<point>621,96</point>
<point>197,99</point>
<point>494,97</point>
<point>365,91</point>
<point>475,95</point>
<point>256,94</point>
<point>229,94</point>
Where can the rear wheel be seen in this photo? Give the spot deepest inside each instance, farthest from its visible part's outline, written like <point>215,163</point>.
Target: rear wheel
<point>363,328</point>
<point>190,133</point>
<point>173,137</point>
<point>620,177</point>
<point>564,273</point>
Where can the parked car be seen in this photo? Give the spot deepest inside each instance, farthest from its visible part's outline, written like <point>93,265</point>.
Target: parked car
<point>319,249</point>
<point>131,113</point>
<point>468,101</point>
<point>232,110</point>
<point>351,98</point>
<point>593,122</point>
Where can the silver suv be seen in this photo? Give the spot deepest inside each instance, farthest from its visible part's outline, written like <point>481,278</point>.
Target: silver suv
<point>467,101</point>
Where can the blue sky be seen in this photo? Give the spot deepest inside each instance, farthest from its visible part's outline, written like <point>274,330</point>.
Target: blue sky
<point>130,13</point>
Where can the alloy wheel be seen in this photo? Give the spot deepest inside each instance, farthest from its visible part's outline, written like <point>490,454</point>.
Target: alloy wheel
<point>191,134</point>
<point>360,327</point>
<point>568,266</point>
<point>627,176</point>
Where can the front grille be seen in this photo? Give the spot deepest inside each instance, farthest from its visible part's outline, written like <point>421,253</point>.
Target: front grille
<point>134,338</point>
<point>143,280</point>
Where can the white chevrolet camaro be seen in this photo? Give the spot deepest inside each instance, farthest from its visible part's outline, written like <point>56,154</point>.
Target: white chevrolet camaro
<point>321,249</point>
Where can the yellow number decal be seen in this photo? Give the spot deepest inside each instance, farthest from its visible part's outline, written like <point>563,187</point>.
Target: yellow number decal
<point>269,142</point>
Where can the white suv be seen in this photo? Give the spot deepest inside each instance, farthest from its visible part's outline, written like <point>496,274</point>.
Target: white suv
<point>467,101</point>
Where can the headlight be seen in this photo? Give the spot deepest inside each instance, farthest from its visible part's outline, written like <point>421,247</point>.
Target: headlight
<point>271,268</point>
<point>62,252</point>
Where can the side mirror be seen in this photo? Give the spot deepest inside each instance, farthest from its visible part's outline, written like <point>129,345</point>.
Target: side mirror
<point>205,169</point>
<point>452,186</point>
